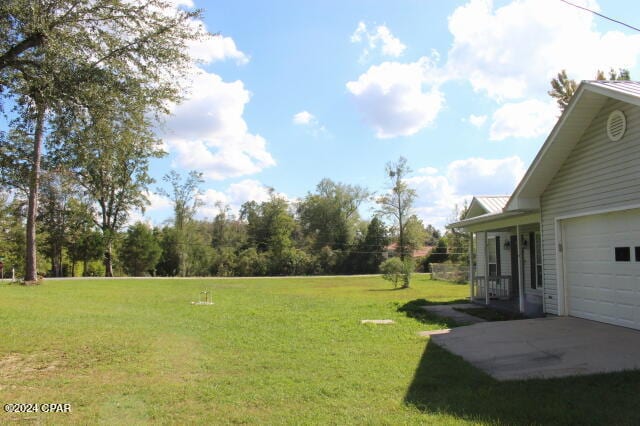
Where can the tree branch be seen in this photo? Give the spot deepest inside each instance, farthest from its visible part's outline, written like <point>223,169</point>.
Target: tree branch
<point>10,56</point>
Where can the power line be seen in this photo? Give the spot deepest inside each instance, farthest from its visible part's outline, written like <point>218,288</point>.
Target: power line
<point>601,15</point>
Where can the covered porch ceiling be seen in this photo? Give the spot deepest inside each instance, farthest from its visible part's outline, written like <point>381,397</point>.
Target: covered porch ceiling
<point>497,221</point>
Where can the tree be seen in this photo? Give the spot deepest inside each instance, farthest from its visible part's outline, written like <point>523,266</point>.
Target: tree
<point>621,74</point>
<point>56,193</point>
<point>437,255</point>
<point>458,242</point>
<point>85,246</point>
<point>397,271</point>
<point>415,233</point>
<point>433,235</point>
<point>140,250</point>
<point>12,231</point>
<point>108,153</point>
<point>270,226</point>
<point>169,262</point>
<point>398,201</point>
<point>370,250</point>
<point>563,88</point>
<point>329,216</point>
<point>228,231</point>
<point>57,54</point>
<point>185,196</point>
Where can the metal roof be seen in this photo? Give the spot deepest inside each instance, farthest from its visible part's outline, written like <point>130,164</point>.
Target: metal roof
<point>628,87</point>
<point>493,203</point>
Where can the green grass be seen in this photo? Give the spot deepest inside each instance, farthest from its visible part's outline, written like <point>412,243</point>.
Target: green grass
<point>269,351</point>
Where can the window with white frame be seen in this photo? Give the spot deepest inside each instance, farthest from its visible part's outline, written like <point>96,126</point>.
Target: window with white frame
<point>538,260</point>
<point>492,256</point>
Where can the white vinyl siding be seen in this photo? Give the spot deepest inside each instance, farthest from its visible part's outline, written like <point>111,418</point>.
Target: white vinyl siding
<point>598,175</point>
<point>505,260</point>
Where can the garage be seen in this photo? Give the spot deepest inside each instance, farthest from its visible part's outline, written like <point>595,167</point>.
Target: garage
<point>602,267</point>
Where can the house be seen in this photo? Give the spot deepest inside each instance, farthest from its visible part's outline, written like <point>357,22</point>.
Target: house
<point>423,251</point>
<point>567,240</point>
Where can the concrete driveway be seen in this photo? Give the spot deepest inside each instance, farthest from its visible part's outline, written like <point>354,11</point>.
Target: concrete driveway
<point>544,347</point>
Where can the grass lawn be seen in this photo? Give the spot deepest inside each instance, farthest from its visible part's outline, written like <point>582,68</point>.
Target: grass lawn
<point>269,351</point>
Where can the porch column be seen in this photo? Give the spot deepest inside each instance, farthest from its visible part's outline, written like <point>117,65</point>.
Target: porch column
<point>520,272</point>
<point>486,268</point>
<point>471,265</point>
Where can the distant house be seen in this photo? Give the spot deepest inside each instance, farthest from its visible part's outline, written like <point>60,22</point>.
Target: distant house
<point>392,249</point>
<point>567,241</point>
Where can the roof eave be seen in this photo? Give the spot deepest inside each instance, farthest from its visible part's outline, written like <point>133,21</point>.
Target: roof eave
<point>517,201</point>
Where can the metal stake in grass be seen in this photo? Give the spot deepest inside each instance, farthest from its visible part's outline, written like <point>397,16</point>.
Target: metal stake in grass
<point>205,299</point>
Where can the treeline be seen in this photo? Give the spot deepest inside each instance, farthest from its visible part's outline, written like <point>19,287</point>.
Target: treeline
<point>323,233</point>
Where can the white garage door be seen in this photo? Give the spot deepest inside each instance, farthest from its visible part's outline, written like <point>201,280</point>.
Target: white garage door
<point>602,267</point>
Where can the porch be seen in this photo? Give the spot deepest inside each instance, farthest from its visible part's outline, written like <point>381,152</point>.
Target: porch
<point>502,295</point>
<point>506,268</point>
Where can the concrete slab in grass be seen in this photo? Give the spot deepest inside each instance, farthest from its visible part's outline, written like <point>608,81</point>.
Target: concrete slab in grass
<point>448,311</point>
<point>544,347</point>
<point>383,321</point>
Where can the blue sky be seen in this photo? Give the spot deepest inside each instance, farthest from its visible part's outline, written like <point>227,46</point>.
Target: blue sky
<point>291,92</point>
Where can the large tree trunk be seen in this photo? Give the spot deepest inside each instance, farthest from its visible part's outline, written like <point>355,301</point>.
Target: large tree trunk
<point>108,260</point>
<point>31,272</point>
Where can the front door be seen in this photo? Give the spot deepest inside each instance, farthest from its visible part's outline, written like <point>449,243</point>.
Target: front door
<point>515,282</point>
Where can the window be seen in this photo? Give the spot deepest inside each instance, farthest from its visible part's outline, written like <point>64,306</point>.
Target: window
<point>535,259</point>
<point>637,254</point>
<point>623,254</point>
<point>538,260</point>
<point>492,256</point>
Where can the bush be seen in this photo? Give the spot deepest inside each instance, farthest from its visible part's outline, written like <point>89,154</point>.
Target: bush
<point>397,271</point>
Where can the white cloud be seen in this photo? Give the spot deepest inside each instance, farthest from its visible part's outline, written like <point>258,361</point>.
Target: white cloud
<point>208,133</point>
<point>217,48</point>
<point>439,192</point>
<point>512,52</point>
<point>381,38</point>
<point>212,200</point>
<point>304,118</point>
<point>157,202</point>
<point>248,190</point>
<point>178,3</point>
<point>481,176</point>
<point>311,123</point>
<point>477,120</point>
<point>428,171</point>
<point>525,119</point>
<point>398,99</point>
<point>234,196</point>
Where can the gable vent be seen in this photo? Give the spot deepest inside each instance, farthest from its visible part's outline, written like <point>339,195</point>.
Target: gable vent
<point>616,125</point>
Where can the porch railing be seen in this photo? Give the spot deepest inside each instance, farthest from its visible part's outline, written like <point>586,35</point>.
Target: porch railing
<point>499,287</point>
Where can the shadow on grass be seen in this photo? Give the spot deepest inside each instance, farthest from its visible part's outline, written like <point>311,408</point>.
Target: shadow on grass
<point>444,383</point>
<point>389,289</point>
<point>413,309</point>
